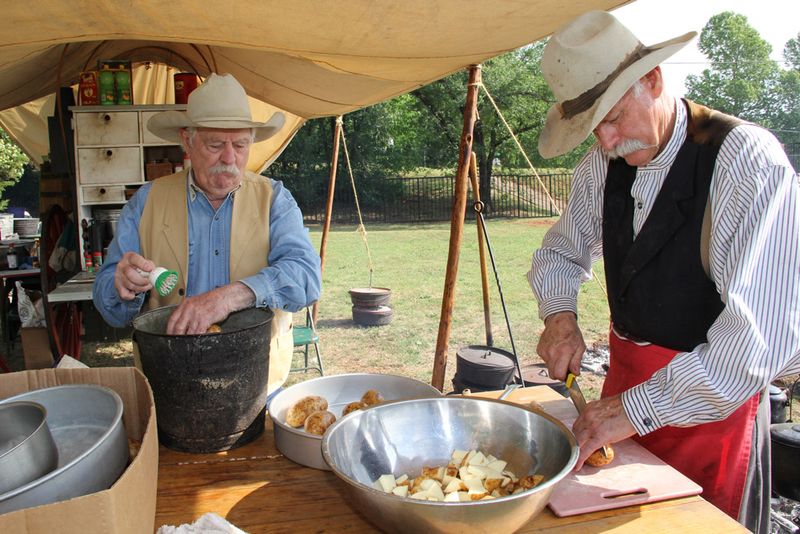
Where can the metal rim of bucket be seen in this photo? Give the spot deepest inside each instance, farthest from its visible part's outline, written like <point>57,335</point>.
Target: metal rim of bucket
<point>142,318</point>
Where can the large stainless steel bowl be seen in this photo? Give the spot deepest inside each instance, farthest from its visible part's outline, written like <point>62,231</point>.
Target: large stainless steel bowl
<point>339,390</point>
<point>86,423</point>
<point>402,437</point>
<point>27,449</point>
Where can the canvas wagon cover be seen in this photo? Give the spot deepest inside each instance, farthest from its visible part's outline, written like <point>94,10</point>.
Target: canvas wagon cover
<point>309,58</point>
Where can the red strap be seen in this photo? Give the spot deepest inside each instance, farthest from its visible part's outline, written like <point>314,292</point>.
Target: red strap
<point>714,455</point>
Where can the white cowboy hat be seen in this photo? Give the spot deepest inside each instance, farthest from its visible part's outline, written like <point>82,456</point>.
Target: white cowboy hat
<point>589,64</point>
<point>220,102</point>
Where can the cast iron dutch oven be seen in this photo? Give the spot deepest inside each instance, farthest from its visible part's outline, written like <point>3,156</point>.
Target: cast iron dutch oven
<point>786,459</point>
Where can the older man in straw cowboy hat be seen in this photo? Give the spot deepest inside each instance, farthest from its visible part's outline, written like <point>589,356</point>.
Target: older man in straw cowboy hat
<point>669,188</point>
<point>236,238</point>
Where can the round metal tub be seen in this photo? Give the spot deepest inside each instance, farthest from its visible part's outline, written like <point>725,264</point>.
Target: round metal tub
<point>86,424</point>
<point>339,390</point>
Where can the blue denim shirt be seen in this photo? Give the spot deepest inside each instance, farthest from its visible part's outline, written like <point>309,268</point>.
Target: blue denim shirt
<point>291,282</point>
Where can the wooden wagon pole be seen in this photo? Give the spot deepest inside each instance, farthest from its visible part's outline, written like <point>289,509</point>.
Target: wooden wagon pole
<point>476,194</point>
<point>326,226</point>
<point>456,227</point>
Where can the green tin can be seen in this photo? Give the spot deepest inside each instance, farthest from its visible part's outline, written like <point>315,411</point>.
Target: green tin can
<point>107,92</point>
<point>124,94</point>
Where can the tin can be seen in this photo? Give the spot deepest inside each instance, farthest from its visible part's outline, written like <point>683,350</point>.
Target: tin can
<point>124,91</point>
<point>185,83</point>
<point>107,92</point>
<point>87,89</point>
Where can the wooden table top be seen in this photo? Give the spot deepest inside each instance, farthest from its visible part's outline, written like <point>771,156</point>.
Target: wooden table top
<point>259,490</point>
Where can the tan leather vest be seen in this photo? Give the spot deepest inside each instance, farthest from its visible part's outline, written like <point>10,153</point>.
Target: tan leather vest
<point>164,239</point>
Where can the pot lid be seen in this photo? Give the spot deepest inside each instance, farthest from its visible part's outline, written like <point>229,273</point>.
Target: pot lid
<point>775,391</point>
<point>484,356</point>
<point>786,433</point>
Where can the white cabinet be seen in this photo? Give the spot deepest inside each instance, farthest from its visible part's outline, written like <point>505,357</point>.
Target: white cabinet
<point>112,149</point>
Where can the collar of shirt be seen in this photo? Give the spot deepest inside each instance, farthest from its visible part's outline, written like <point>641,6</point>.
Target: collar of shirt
<point>667,156</point>
<point>194,189</point>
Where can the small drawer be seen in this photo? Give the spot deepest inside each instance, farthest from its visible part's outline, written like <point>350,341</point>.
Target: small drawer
<point>121,165</point>
<point>111,128</point>
<point>103,193</point>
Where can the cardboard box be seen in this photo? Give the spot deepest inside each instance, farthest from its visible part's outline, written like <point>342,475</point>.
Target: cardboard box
<point>129,506</point>
<point>36,348</point>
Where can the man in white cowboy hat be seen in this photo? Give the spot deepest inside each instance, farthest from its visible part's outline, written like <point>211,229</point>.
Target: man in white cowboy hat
<point>235,238</point>
<point>669,188</point>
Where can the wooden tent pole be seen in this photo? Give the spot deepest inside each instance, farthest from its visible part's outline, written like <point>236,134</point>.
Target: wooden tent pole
<point>337,134</point>
<point>456,227</point>
<point>476,194</point>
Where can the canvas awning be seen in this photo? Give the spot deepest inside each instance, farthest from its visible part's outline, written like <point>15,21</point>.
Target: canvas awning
<point>309,58</point>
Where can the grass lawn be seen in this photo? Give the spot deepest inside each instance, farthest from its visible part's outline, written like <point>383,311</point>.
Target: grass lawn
<point>411,261</point>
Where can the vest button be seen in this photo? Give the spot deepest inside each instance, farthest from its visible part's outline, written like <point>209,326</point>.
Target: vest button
<point>181,292</point>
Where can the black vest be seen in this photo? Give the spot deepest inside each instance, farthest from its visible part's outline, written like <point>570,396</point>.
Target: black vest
<point>657,288</point>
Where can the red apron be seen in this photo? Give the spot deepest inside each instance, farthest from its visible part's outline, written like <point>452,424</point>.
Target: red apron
<point>714,455</point>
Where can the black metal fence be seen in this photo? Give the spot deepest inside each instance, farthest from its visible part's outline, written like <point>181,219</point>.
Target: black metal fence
<point>427,198</point>
<point>793,151</point>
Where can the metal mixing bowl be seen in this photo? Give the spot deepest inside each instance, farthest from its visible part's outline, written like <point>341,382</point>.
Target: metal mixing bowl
<point>402,437</point>
<point>27,449</point>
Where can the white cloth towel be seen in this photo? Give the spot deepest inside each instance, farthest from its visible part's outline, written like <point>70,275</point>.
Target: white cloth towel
<point>209,523</point>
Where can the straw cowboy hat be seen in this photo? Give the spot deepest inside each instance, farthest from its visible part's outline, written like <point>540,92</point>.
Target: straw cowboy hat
<point>220,102</point>
<point>589,64</point>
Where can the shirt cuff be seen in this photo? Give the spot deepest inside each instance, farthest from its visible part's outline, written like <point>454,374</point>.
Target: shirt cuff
<point>262,290</point>
<point>640,410</point>
<point>557,304</point>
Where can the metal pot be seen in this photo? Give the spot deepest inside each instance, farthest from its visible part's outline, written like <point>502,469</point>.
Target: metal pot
<point>778,404</point>
<point>210,390</point>
<point>485,366</point>
<point>370,297</point>
<point>786,459</point>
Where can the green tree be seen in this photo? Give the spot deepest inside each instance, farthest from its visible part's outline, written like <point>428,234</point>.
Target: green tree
<point>12,165</point>
<point>742,80</point>
<point>423,128</point>
<point>786,118</point>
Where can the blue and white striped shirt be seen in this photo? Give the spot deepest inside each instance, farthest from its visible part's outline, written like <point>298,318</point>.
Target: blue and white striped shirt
<point>754,255</point>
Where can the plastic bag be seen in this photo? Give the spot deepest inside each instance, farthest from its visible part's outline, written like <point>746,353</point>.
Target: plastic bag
<point>31,312</point>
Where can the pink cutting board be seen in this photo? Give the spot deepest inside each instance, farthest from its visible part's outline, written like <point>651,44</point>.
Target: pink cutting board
<point>636,476</point>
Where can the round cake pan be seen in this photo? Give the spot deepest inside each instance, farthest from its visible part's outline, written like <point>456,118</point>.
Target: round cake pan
<point>339,390</point>
<point>27,449</point>
<point>86,424</point>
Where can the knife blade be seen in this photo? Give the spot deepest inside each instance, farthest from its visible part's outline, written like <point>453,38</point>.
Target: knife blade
<point>579,400</point>
<point>575,393</point>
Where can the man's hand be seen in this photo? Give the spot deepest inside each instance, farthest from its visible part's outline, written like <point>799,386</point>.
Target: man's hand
<point>561,345</point>
<point>195,314</point>
<point>602,422</point>
<point>128,280</point>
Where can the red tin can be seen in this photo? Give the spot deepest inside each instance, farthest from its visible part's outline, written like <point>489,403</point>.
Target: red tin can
<point>87,89</point>
<point>185,83</point>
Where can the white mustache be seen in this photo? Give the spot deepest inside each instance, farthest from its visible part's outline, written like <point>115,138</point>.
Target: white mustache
<point>222,168</point>
<point>626,147</point>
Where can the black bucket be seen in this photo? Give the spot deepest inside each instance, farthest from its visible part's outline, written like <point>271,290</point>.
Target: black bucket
<point>210,390</point>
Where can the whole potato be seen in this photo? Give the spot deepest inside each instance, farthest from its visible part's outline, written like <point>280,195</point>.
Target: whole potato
<point>371,397</point>
<point>352,407</point>
<point>318,422</point>
<point>300,410</point>
<point>599,458</point>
